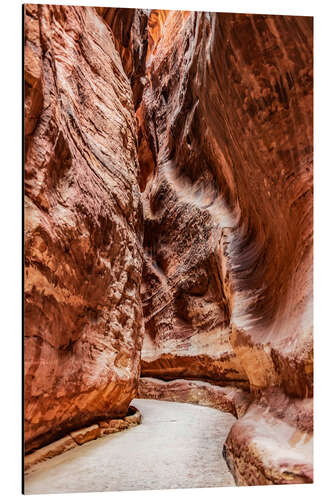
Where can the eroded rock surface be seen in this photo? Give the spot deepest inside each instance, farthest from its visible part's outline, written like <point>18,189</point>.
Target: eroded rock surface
<point>83,225</point>
<point>129,29</point>
<point>227,113</point>
<point>226,399</point>
<point>227,281</point>
<point>33,460</point>
<point>210,117</point>
<point>273,442</point>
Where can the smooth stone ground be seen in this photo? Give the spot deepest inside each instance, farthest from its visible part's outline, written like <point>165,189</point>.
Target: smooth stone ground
<point>178,445</point>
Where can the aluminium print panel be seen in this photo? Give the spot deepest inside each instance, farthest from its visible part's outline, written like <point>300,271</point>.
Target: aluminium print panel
<point>168,187</point>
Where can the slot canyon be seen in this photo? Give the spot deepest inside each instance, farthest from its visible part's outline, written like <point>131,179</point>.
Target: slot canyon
<point>168,233</point>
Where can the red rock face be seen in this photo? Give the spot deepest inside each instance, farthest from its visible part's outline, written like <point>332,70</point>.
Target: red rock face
<point>209,116</point>
<point>83,225</point>
<point>227,281</point>
<point>227,399</point>
<point>129,29</point>
<point>273,442</point>
<point>227,112</point>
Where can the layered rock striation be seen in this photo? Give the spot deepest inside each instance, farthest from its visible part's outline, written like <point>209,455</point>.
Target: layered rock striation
<point>168,176</point>
<point>227,279</point>
<point>228,207</point>
<point>272,443</point>
<point>227,399</point>
<point>83,225</point>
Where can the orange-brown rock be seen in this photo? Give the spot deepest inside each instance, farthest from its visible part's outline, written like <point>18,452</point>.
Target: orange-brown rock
<point>83,225</point>
<point>227,399</point>
<point>227,281</point>
<point>227,112</point>
<point>86,434</point>
<point>273,442</point>
<point>129,29</point>
<point>210,117</point>
<point>115,425</point>
<point>33,460</point>
<point>132,419</point>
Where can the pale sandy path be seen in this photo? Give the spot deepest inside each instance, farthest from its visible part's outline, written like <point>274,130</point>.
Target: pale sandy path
<point>178,445</point>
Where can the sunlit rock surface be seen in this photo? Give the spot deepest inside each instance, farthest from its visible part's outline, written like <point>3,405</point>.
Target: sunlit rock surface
<point>227,281</point>
<point>83,225</point>
<point>227,399</point>
<point>209,116</point>
<point>227,112</point>
<point>273,442</point>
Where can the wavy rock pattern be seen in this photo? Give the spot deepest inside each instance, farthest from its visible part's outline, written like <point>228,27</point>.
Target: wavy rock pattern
<point>228,209</point>
<point>129,29</point>
<point>227,399</point>
<point>227,293</point>
<point>273,442</point>
<point>209,116</point>
<point>83,229</point>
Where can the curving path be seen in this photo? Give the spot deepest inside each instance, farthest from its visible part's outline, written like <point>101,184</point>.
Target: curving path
<point>178,445</point>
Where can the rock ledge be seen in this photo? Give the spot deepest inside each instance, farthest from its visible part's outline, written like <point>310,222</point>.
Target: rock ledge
<point>81,436</point>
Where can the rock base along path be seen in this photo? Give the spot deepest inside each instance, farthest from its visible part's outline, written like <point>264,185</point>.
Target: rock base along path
<point>177,445</point>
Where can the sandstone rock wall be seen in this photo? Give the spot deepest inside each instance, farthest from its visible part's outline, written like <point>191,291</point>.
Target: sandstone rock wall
<point>130,34</point>
<point>175,147</point>
<point>227,399</point>
<point>227,114</point>
<point>227,282</point>
<point>273,442</point>
<point>83,225</point>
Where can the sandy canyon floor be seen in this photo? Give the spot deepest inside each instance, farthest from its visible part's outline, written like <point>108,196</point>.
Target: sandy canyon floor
<point>177,445</point>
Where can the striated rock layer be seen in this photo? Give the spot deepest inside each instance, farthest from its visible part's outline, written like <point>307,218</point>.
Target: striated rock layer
<point>227,399</point>
<point>209,116</point>
<point>83,225</point>
<point>273,442</point>
<point>129,30</point>
<point>226,114</point>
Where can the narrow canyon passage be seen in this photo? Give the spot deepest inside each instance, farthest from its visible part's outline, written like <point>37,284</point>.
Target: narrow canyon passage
<point>177,445</point>
<point>168,189</point>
